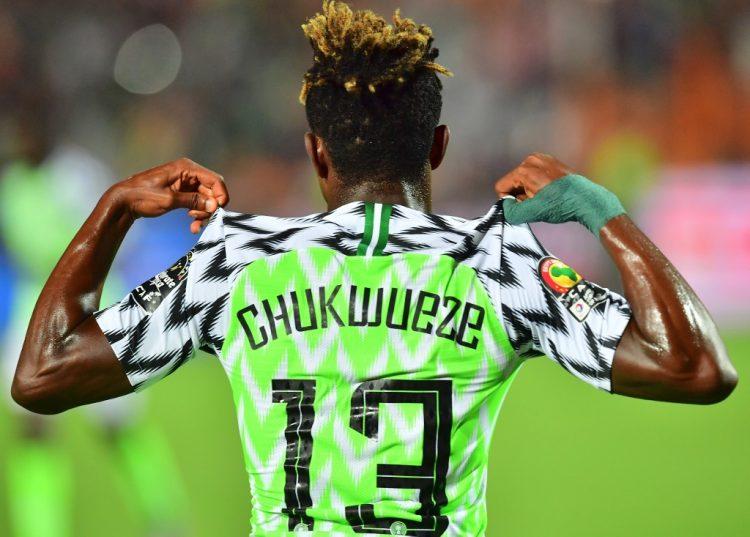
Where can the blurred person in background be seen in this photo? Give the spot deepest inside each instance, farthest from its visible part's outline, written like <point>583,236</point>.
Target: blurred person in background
<point>50,186</point>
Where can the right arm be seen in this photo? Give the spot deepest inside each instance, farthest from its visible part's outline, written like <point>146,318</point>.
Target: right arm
<point>66,360</point>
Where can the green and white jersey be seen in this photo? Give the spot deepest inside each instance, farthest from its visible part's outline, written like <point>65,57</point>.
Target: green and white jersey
<point>369,350</point>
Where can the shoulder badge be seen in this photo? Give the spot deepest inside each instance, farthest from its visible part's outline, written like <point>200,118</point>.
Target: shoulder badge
<point>577,295</point>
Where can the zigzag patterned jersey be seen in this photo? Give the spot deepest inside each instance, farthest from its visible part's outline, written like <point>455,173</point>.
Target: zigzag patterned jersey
<point>369,350</point>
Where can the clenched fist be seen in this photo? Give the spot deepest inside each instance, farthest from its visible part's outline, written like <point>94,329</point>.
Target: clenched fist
<point>546,190</point>
<point>178,184</point>
<point>534,173</point>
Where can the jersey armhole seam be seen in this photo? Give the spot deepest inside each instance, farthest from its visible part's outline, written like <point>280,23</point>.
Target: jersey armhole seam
<point>516,357</point>
<point>505,342</point>
<point>233,278</point>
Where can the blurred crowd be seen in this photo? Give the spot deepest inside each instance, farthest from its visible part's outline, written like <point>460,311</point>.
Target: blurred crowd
<point>613,86</point>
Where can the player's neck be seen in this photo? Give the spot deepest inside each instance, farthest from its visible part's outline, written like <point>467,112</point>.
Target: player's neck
<point>415,195</point>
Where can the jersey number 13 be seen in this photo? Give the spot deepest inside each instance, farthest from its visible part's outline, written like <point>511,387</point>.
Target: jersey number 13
<point>428,478</point>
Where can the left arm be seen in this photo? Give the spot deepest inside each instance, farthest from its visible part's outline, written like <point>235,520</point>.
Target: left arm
<point>670,349</point>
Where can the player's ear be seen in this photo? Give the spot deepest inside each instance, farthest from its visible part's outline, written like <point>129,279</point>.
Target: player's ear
<point>318,155</point>
<point>439,145</point>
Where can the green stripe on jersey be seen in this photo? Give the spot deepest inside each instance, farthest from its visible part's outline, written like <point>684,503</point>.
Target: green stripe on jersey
<point>367,235</point>
<point>385,218</point>
<point>375,235</point>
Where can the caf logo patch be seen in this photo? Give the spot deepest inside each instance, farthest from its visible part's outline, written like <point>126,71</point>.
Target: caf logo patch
<point>150,294</point>
<point>557,276</point>
<point>577,295</point>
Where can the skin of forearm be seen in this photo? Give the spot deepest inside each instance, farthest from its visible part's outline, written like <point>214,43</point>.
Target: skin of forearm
<point>73,290</point>
<point>675,330</point>
<point>66,360</point>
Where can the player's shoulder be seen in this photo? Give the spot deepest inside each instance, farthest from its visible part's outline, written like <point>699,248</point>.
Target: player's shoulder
<point>410,227</point>
<point>250,235</point>
<point>455,236</point>
<point>520,240</point>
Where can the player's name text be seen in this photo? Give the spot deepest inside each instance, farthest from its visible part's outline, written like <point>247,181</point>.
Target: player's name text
<point>446,316</point>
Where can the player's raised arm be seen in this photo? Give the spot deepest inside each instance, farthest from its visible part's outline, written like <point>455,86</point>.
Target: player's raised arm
<point>66,360</point>
<point>671,349</point>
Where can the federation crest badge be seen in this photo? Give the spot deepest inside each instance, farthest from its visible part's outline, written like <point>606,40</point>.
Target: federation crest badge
<point>577,295</point>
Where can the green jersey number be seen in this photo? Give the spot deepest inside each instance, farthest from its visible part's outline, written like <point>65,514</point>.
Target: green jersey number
<point>429,477</point>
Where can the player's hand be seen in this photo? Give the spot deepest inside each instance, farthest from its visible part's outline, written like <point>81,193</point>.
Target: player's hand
<point>534,173</point>
<point>546,190</point>
<point>178,184</point>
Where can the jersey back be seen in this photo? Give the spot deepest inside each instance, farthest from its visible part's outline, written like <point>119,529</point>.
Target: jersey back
<point>368,350</point>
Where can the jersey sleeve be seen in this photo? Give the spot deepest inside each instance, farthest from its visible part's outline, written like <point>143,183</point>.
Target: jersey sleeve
<point>160,324</point>
<point>549,309</point>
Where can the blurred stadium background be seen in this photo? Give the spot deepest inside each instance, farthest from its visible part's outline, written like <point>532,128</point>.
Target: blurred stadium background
<point>650,98</point>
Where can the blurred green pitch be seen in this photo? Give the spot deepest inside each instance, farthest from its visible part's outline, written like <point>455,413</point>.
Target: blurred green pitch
<point>568,461</point>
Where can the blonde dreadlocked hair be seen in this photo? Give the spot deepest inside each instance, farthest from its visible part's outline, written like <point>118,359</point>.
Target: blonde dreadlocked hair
<point>392,52</point>
<point>372,93</point>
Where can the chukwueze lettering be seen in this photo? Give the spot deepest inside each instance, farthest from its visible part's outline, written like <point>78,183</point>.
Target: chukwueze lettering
<point>320,308</point>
